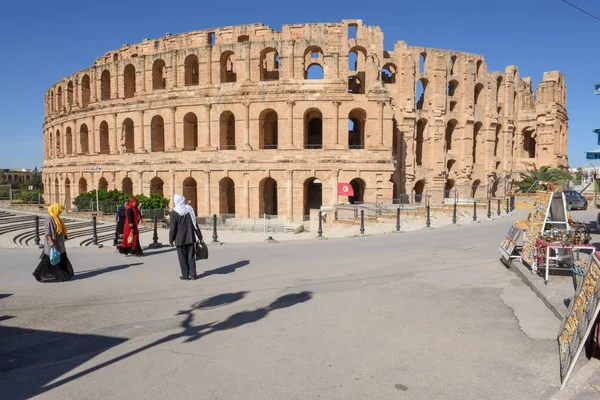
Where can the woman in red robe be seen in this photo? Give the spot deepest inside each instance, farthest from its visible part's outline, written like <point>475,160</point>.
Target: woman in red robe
<point>131,236</point>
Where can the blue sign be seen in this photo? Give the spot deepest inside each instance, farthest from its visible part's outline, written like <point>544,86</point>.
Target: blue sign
<point>592,156</point>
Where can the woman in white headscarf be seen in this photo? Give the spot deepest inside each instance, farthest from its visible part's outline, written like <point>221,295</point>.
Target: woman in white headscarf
<point>183,232</point>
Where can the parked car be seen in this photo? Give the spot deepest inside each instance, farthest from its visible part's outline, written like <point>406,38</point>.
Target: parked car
<point>575,200</point>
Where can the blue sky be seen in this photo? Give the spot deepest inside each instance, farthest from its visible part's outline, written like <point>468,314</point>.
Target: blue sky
<point>44,41</point>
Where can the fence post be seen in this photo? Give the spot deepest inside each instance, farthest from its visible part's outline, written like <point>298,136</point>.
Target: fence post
<point>489,208</point>
<point>155,243</point>
<point>428,221</point>
<point>214,236</point>
<point>512,203</point>
<point>36,238</point>
<point>320,230</point>
<point>499,207</point>
<point>507,206</point>
<point>454,212</point>
<point>94,231</point>
<point>398,219</point>
<point>362,222</point>
<point>474,210</point>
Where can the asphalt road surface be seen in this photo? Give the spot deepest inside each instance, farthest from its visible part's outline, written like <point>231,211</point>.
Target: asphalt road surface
<point>431,314</point>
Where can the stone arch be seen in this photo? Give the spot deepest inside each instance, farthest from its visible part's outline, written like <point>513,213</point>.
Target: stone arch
<point>313,129</point>
<point>358,187</point>
<point>129,81</point>
<point>420,93</point>
<point>157,133</point>
<point>69,140</point>
<point>357,119</point>
<point>268,129</point>
<point>103,184</point>
<point>313,195</point>
<point>477,92</point>
<point>450,127</point>
<point>227,131</point>
<point>129,130</point>
<point>313,57</point>
<point>418,189</point>
<point>388,73</point>
<point>226,196</point>
<point>449,189</point>
<point>192,71</point>
<point>104,138</point>
<point>452,86</point>
<point>228,73</point>
<point>190,132</point>
<point>190,192</point>
<point>70,94</point>
<point>85,91</point>
<point>269,64</point>
<point>419,140</point>
<point>127,186</point>
<point>529,142</point>
<point>159,74</point>
<point>105,85</point>
<point>314,71</point>
<point>84,139</point>
<point>59,99</point>
<point>268,201</point>
<point>476,130</point>
<point>157,186</point>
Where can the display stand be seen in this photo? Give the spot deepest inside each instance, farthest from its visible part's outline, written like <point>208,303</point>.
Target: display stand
<point>508,247</point>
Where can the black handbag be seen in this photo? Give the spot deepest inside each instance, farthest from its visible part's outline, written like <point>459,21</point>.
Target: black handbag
<point>201,250</point>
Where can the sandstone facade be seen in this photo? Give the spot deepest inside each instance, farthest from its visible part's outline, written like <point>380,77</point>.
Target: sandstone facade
<point>248,120</point>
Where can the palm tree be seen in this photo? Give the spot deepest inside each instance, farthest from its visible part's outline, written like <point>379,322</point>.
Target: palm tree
<point>538,179</point>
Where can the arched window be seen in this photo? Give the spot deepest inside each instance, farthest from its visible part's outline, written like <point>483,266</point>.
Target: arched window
<point>190,192</point>
<point>313,61</point>
<point>357,119</point>
<point>388,73</point>
<point>83,139</point>
<point>353,61</point>
<point>103,184</point>
<point>70,94</point>
<point>85,91</point>
<point>127,186</point>
<point>228,70</point>
<point>498,88</point>
<point>267,197</point>
<point>314,71</point>
<point>129,81</point>
<point>450,126</point>
<point>69,139</point>
<point>105,85</point>
<point>418,191</point>
<point>82,185</point>
<point>452,64</point>
<point>313,195</point>
<point>313,129</point>
<point>268,129</point>
<point>190,133</point>
<point>452,86</point>
<point>192,71</point>
<point>422,59</point>
<point>59,99</point>
<point>269,65</point>
<point>420,93</point>
<point>157,133</point>
<point>227,131</point>
<point>156,186</point>
<point>420,138</point>
<point>128,129</point>
<point>159,80</point>
<point>227,197</point>
<point>358,187</point>
<point>477,92</point>
<point>104,138</point>
<point>476,129</point>
<point>529,142</point>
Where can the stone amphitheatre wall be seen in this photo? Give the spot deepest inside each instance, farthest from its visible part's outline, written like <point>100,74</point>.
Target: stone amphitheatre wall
<point>249,120</point>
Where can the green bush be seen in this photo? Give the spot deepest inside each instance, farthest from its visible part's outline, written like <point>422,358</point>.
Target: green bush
<point>110,200</point>
<point>29,197</point>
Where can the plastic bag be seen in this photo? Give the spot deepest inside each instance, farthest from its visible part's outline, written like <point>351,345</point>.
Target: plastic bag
<point>54,256</point>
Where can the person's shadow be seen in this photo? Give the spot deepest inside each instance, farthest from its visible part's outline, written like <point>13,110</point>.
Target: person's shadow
<point>100,271</point>
<point>227,269</point>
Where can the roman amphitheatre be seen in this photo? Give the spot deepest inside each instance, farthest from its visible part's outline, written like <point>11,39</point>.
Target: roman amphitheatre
<point>246,120</point>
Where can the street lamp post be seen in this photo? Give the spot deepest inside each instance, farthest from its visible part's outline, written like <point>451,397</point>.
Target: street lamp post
<point>97,168</point>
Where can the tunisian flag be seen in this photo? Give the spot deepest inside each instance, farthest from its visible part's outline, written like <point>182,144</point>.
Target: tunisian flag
<point>345,189</point>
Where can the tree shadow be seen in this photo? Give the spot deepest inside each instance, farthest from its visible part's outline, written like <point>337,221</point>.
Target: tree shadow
<point>5,295</point>
<point>219,300</point>
<point>95,272</point>
<point>227,269</point>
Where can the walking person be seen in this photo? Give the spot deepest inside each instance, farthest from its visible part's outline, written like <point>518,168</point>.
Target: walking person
<point>182,233</point>
<point>121,218</point>
<point>131,235</point>
<point>55,233</point>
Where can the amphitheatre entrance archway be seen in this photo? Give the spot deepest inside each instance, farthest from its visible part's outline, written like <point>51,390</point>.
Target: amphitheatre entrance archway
<point>268,197</point>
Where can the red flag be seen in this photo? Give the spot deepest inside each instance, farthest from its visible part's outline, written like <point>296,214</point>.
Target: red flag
<point>345,189</point>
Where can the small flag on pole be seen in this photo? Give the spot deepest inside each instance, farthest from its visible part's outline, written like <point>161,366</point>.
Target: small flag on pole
<point>345,189</point>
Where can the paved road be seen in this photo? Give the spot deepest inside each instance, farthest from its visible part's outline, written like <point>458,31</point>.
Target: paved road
<point>421,315</point>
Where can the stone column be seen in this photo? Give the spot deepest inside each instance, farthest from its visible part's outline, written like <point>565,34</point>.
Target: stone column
<point>209,79</point>
<point>381,103</point>
<point>94,84</point>
<point>141,183</point>
<point>247,197</point>
<point>76,93</point>
<point>116,143</point>
<point>172,187</point>
<point>247,130</point>
<point>174,67</point>
<point>115,78</point>
<point>335,179</point>
<point>247,48</point>
<point>291,60</point>
<point>141,146</point>
<point>63,140</point>
<point>289,138</point>
<point>173,144</point>
<point>205,140</point>
<point>290,194</point>
<point>338,139</point>
<point>207,192</point>
<point>143,68</point>
<point>95,137</point>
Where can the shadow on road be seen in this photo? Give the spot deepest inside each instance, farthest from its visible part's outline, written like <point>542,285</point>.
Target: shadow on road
<point>219,300</point>
<point>148,252</point>
<point>5,295</point>
<point>227,269</point>
<point>100,271</point>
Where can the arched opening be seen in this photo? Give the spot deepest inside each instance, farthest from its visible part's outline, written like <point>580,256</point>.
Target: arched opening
<point>313,195</point>
<point>69,139</point>
<point>83,139</point>
<point>190,192</point>
<point>268,129</point>
<point>356,128</point>
<point>67,193</point>
<point>82,185</point>
<point>227,131</point>
<point>52,101</point>
<point>228,73</point>
<point>59,99</point>
<point>529,142</point>
<point>226,196</point>
<point>70,94</point>
<point>449,191</point>
<point>479,63</point>
<point>420,93</point>
<point>358,187</point>
<point>85,91</point>
<point>103,184</point>
<point>352,31</point>
<point>497,139</point>
<point>157,133</point>
<point>58,143</point>
<point>476,129</point>
<point>353,61</point>
<point>104,139</point>
<point>129,81</point>
<point>450,126</point>
<point>129,135</point>
<point>56,191</point>
<point>355,85</point>
<point>420,138</point>
<point>268,197</point>
<point>127,186</point>
<point>474,188</point>
<point>105,85</point>
<point>156,186</point>
<point>452,86</point>
<point>388,73</point>
<point>313,129</point>
<point>314,71</point>
<point>452,64</point>
<point>422,59</point>
<point>269,65</point>
<point>159,75</point>
<point>192,71</point>
<point>190,132</point>
<point>498,88</point>
<point>418,191</point>
<point>477,92</point>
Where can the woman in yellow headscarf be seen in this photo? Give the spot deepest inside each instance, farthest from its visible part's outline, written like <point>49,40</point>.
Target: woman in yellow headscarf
<point>55,233</point>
